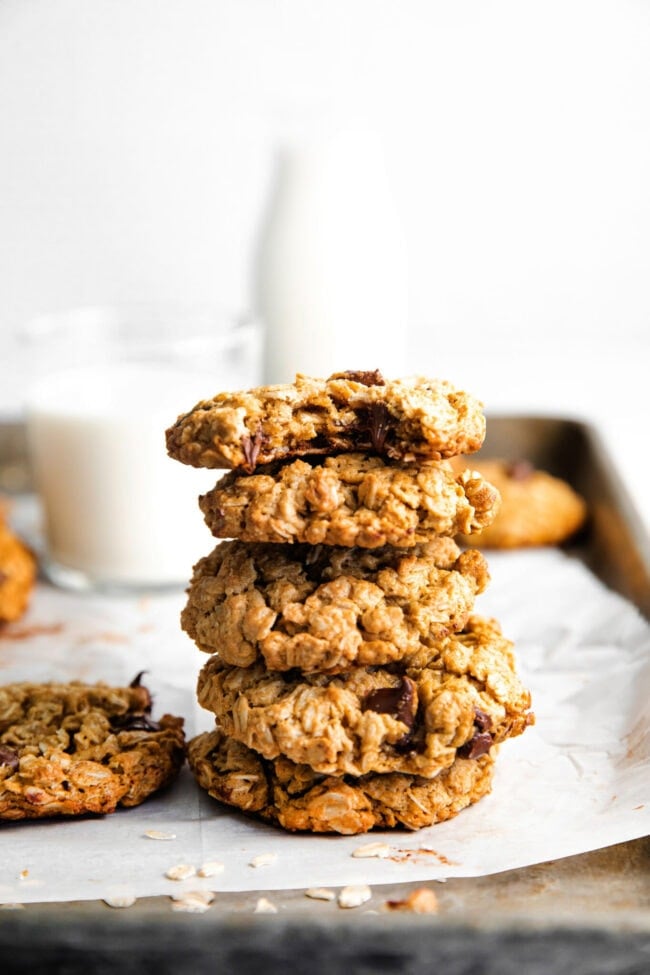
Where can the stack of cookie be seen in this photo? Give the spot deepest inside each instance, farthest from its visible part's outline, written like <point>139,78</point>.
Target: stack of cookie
<point>351,683</point>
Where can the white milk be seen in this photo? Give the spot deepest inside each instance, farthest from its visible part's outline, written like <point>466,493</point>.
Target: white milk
<point>118,510</point>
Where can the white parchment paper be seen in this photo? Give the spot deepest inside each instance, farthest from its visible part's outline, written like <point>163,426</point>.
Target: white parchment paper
<point>576,781</point>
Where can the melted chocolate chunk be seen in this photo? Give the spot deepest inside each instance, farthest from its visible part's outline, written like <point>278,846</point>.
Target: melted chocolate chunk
<point>316,560</point>
<point>400,701</point>
<point>481,741</point>
<point>373,378</point>
<point>137,680</point>
<point>378,425</point>
<point>134,722</point>
<point>251,447</point>
<point>9,757</point>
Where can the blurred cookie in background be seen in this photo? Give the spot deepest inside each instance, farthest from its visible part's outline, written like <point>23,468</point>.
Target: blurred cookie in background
<point>536,507</point>
<point>17,573</point>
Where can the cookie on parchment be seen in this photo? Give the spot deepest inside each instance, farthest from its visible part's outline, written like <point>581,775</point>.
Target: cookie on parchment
<point>299,799</point>
<point>456,698</point>
<point>323,608</point>
<point>406,419</point>
<point>70,749</point>
<point>17,574</point>
<point>536,507</point>
<point>348,500</point>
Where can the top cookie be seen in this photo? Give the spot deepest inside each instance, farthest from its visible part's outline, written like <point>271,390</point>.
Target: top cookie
<point>405,419</point>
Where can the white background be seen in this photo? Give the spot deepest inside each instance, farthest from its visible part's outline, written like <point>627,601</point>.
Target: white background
<point>136,145</point>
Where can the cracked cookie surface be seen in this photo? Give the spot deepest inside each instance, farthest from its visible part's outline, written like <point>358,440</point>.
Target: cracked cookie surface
<point>349,500</point>
<point>70,749</point>
<point>299,799</point>
<point>408,419</point>
<point>324,609</point>
<point>536,507</point>
<point>456,699</point>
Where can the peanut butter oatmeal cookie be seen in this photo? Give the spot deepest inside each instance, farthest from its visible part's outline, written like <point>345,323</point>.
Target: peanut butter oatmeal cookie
<point>410,420</point>
<point>69,749</point>
<point>349,500</point>
<point>17,574</point>
<point>297,798</point>
<point>454,699</point>
<point>323,608</point>
<point>536,508</point>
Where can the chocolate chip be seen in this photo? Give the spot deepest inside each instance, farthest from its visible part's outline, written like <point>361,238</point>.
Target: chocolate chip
<point>373,378</point>
<point>400,701</point>
<point>482,720</point>
<point>9,758</point>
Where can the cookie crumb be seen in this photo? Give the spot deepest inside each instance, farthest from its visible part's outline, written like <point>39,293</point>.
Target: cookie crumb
<point>421,901</point>
<point>159,834</point>
<point>265,906</point>
<point>211,868</point>
<point>379,850</point>
<point>193,901</point>
<point>320,893</point>
<point>23,875</point>
<point>354,895</point>
<point>263,860</point>
<point>181,871</point>
<point>120,899</point>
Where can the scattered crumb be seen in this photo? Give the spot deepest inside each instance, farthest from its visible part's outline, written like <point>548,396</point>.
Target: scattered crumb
<point>263,860</point>
<point>181,871</point>
<point>380,850</point>
<point>211,868</point>
<point>24,874</point>
<point>120,899</point>
<point>320,893</point>
<point>421,901</point>
<point>354,896</point>
<point>159,834</point>
<point>193,901</point>
<point>27,632</point>
<point>265,906</point>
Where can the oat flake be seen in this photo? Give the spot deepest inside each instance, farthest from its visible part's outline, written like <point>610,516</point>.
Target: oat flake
<point>211,868</point>
<point>120,900</point>
<point>159,834</point>
<point>263,860</point>
<point>265,906</point>
<point>181,871</point>
<point>320,893</point>
<point>354,896</point>
<point>379,850</point>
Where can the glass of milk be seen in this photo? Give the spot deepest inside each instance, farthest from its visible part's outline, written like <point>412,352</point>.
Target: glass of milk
<point>118,513</point>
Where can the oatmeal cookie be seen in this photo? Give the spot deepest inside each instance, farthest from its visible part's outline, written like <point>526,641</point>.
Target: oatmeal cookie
<point>69,749</point>
<point>17,575</point>
<point>297,798</point>
<point>536,508</point>
<point>323,608</point>
<point>349,500</point>
<point>410,420</point>
<point>457,698</point>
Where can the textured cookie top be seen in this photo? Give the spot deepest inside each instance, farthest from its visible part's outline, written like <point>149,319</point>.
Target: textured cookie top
<point>457,698</point>
<point>297,798</point>
<point>323,608</point>
<point>68,749</point>
<point>536,507</point>
<point>348,500</point>
<point>407,419</point>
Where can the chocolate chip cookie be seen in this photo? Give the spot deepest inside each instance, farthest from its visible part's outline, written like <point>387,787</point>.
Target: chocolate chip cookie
<point>536,507</point>
<point>349,500</point>
<point>69,749</point>
<point>323,608</point>
<point>17,574</point>
<point>297,798</point>
<point>407,420</point>
<point>454,699</point>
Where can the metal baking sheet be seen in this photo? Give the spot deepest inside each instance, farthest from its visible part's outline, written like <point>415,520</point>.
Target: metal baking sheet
<point>587,913</point>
